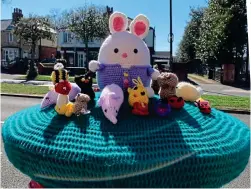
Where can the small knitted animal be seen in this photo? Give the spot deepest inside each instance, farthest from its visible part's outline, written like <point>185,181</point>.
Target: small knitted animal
<point>80,105</point>
<point>110,100</point>
<point>85,83</point>
<point>51,97</point>
<point>124,55</point>
<point>188,91</point>
<point>167,83</point>
<point>138,98</point>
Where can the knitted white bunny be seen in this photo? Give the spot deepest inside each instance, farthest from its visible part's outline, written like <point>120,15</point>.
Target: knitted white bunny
<point>124,56</point>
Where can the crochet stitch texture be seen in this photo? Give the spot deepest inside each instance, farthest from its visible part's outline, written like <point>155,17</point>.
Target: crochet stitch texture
<point>185,149</point>
<point>109,74</point>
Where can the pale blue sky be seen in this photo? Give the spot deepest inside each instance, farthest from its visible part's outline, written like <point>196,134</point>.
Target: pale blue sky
<point>156,10</point>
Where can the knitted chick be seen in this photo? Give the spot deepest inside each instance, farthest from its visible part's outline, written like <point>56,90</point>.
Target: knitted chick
<point>80,105</point>
<point>138,98</point>
<point>167,83</point>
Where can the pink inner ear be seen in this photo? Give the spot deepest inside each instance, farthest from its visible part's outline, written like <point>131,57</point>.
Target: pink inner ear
<point>139,28</point>
<point>118,24</point>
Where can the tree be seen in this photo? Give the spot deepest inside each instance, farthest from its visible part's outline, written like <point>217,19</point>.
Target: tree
<point>88,23</point>
<point>31,30</point>
<point>186,50</point>
<point>58,18</point>
<point>223,32</point>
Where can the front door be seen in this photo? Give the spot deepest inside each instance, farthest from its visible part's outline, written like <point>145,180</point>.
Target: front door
<point>81,59</point>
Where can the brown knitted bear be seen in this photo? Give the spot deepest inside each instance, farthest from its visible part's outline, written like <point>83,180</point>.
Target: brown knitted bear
<point>167,83</point>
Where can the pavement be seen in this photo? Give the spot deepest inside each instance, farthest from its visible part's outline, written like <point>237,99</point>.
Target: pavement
<point>215,88</point>
<point>9,76</point>
<point>12,178</point>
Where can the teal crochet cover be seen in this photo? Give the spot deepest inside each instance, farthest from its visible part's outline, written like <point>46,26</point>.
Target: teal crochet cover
<point>185,149</point>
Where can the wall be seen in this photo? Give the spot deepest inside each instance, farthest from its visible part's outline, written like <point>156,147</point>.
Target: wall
<point>46,52</point>
<point>5,42</point>
<point>49,43</point>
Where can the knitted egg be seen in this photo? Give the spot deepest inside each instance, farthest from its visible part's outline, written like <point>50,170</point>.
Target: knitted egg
<point>188,91</point>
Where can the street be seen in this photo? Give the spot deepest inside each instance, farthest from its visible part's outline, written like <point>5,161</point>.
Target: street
<point>215,88</point>
<point>12,178</point>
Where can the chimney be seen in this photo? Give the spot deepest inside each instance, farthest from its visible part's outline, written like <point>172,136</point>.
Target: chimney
<point>16,15</point>
<point>109,10</point>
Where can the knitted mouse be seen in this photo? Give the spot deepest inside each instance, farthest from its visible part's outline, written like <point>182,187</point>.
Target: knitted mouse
<point>167,82</point>
<point>85,83</point>
<point>124,56</point>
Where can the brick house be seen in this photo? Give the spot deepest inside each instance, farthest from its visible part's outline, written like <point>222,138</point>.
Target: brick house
<point>74,50</point>
<point>11,48</point>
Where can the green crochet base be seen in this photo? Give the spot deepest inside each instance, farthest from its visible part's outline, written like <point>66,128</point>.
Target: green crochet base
<point>185,149</point>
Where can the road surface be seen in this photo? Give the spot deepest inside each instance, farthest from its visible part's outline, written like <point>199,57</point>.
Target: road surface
<point>216,88</point>
<point>12,178</point>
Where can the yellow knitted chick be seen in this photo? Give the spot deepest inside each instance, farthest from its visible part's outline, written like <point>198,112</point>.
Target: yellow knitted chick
<point>137,93</point>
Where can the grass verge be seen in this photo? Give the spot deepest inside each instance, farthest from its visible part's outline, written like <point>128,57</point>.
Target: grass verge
<point>228,102</point>
<point>220,102</point>
<point>47,78</point>
<point>23,89</point>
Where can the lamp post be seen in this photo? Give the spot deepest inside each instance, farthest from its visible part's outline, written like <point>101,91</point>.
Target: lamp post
<point>171,35</point>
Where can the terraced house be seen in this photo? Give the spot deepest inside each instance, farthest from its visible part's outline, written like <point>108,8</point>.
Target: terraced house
<point>74,50</point>
<point>12,48</point>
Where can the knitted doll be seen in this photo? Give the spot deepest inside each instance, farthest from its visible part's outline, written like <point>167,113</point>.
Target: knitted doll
<point>123,55</point>
<point>62,86</point>
<point>138,98</point>
<point>80,105</point>
<point>85,83</point>
<point>167,83</point>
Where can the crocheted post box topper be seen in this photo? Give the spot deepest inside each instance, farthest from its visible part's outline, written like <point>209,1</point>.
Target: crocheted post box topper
<point>124,56</point>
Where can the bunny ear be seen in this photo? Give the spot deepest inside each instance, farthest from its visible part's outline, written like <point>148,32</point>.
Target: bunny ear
<point>140,81</point>
<point>118,22</point>
<point>140,26</point>
<point>135,81</point>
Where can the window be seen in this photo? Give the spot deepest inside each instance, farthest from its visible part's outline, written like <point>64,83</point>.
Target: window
<point>10,54</point>
<point>67,37</point>
<point>10,37</point>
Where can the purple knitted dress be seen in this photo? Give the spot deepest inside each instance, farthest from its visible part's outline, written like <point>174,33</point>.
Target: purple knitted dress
<point>114,73</point>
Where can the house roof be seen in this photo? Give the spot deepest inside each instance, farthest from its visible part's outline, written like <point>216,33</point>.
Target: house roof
<point>5,24</point>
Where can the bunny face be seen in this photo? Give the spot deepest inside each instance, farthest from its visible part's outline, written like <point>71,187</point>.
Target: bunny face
<point>126,47</point>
